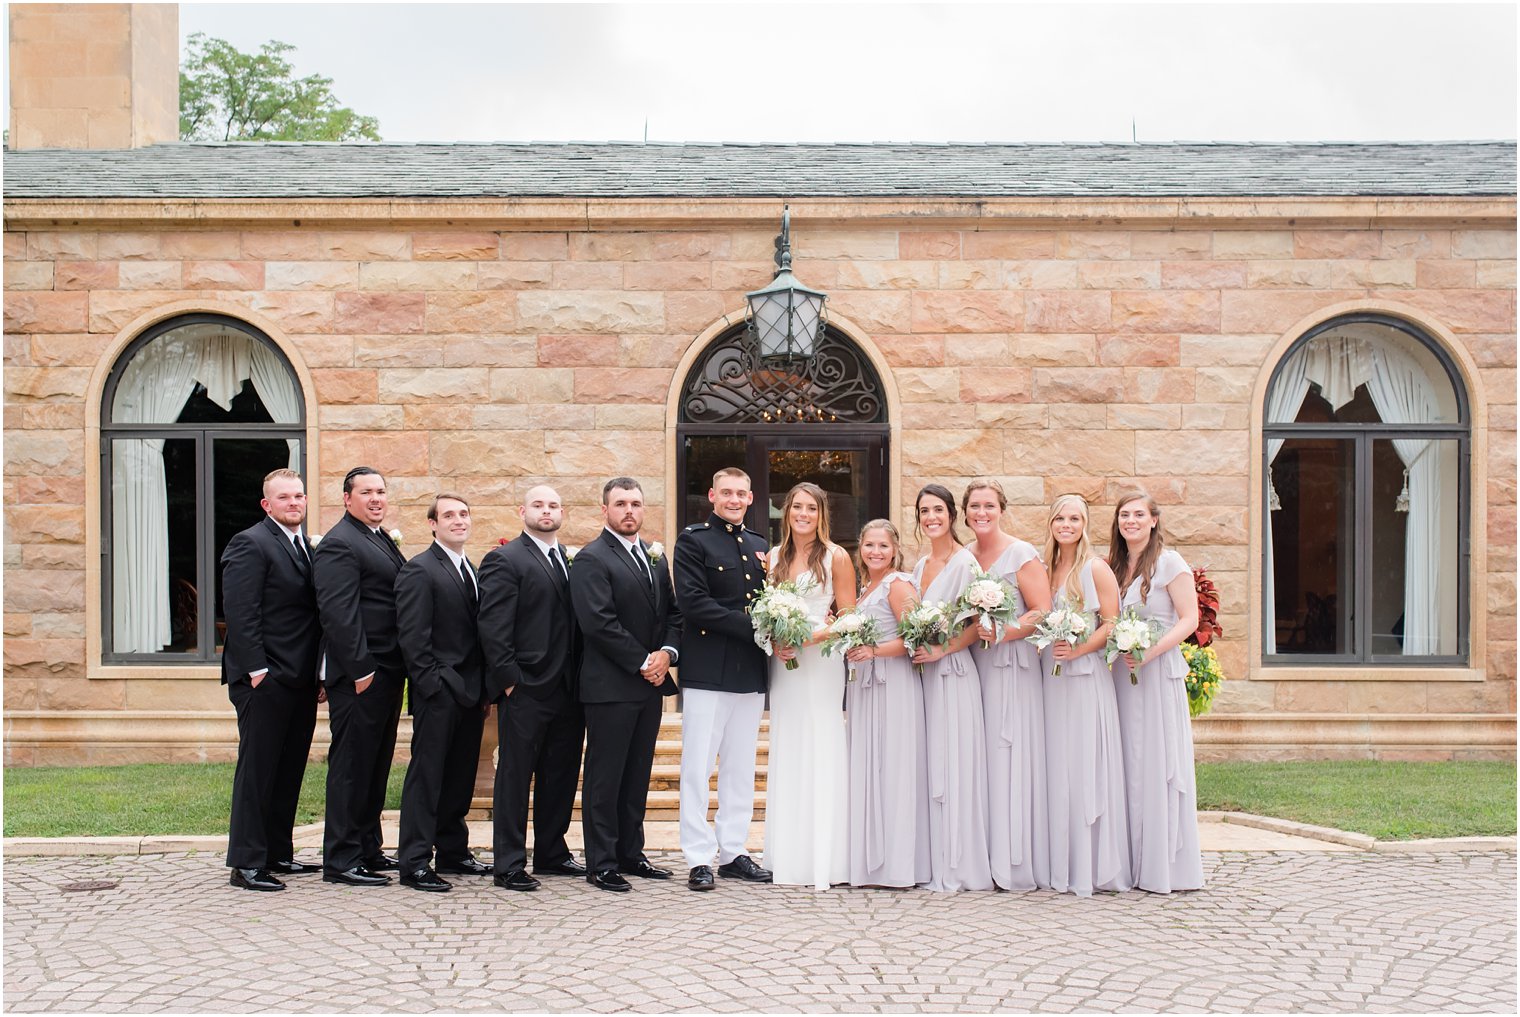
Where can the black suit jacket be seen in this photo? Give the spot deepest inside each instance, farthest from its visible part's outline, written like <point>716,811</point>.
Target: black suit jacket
<point>270,606</point>
<point>527,626</point>
<point>435,621</point>
<point>355,571</point>
<point>622,621</point>
<point>717,577</point>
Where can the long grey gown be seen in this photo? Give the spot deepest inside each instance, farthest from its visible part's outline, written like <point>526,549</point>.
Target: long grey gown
<point>1158,750</point>
<point>957,753</point>
<point>1089,825</point>
<point>889,780</point>
<point>1013,707</point>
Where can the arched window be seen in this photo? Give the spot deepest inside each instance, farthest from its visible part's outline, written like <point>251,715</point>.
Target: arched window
<point>1367,447</point>
<point>195,413</point>
<point>821,419</point>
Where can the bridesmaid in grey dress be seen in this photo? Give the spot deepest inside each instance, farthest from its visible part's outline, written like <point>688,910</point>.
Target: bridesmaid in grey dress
<point>1089,826</point>
<point>884,710</point>
<point>1153,714</point>
<point>1013,699</point>
<point>957,755</point>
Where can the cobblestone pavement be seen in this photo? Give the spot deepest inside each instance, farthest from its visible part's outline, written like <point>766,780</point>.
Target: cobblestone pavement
<point>1306,931</point>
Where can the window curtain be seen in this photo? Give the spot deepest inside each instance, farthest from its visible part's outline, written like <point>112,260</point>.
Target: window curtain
<point>1402,393</point>
<point>1283,401</point>
<point>153,389</point>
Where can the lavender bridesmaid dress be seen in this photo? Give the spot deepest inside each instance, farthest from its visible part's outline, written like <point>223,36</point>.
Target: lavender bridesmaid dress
<point>1013,707</point>
<point>957,753</point>
<point>888,776</point>
<point>1158,751</point>
<point>1089,826</point>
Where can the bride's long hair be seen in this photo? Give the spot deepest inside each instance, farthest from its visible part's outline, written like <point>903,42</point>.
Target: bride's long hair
<point>786,550</point>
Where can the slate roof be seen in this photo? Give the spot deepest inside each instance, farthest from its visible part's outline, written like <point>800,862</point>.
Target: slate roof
<point>613,170</point>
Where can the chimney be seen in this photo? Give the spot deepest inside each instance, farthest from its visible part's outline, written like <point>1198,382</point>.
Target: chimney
<point>93,75</point>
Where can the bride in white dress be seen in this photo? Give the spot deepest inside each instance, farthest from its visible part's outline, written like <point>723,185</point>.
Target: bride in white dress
<point>807,785</point>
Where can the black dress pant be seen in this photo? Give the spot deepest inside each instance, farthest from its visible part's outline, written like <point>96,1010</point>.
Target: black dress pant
<point>540,745</point>
<point>275,724</point>
<point>620,740</point>
<point>359,767</point>
<point>440,782</point>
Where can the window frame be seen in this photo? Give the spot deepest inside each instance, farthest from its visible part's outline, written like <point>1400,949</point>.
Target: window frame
<point>205,435</point>
<point>1361,436</point>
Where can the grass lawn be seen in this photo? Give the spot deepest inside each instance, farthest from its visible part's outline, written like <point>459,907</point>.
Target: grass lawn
<point>149,798</point>
<point>1389,801</point>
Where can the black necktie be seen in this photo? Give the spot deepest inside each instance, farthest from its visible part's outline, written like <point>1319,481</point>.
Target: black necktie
<point>301,555</point>
<point>638,556</point>
<point>469,583</point>
<point>557,556</point>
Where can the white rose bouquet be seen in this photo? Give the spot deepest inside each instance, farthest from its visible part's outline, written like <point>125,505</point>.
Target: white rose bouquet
<point>1063,624</point>
<point>990,600</point>
<point>849,630</point>
<point>928,623</point>
<point>1131,633</point>
<point>780,616</point>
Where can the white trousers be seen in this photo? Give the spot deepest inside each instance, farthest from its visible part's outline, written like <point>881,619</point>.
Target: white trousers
<point>718,725</point>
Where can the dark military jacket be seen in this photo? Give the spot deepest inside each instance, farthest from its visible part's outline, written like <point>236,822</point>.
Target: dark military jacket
<point>717,575</point>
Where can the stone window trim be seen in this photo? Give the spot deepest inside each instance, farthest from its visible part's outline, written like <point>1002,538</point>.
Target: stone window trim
<point>97,483</point>
<point>1464,373</point>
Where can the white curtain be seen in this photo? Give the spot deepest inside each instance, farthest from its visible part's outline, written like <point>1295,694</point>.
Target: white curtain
<point>153,389</point>
<point>1283,401</point>
<point>1402,393</point>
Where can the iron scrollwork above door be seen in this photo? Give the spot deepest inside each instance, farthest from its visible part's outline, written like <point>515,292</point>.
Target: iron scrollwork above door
<point>730,384</point>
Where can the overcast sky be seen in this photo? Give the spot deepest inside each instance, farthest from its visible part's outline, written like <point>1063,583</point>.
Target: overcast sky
<point>902,72</point>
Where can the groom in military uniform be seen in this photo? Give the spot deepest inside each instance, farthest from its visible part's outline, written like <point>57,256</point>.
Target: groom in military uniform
<point>719,570</point>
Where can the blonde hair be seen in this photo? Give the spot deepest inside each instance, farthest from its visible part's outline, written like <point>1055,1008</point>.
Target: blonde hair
<point>1118,548</point>
<point>891,531</point>
<point>283,473</point>
<point>818,556</point>
<point>1081,555</point>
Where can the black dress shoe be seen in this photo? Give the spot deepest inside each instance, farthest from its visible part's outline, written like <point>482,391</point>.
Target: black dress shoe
<point>293,868</point>
<point>701,878</point>
<point>517,879</point>
<point>255,879</point>
<point>744,867</point>
<point>467,867</point>
<point>426,879</point>
<point>568,867</point>
<point>381,863</point>
<point>356,876</point>
<point>645,869</point>
<point>608,879</point>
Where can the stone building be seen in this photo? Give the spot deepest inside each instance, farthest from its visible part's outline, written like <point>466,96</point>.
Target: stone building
<point>1305,352</point>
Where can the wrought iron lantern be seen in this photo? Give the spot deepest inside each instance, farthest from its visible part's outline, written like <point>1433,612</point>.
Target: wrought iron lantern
<point>785,318</point>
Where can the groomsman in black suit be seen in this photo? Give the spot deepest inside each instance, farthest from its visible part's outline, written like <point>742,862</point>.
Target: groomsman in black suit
<point>532,648</point>
<point>269,665</point>
<point>631,628</point>
<point>355,567</point>
<point>437,594</point>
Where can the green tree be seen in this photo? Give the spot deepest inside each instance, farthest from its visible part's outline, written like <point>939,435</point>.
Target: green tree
<point>228,95</point>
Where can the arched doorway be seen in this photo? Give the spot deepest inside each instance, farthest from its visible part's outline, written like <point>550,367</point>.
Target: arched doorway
<point>822,419</point>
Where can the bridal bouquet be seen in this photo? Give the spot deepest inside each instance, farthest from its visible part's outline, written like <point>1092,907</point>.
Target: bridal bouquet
<point>990,600</point>
<point>1131,634</point>
<point>926,624</point>
<point>1064,624</point>
<point>780,615</point>
<point>849,630</point>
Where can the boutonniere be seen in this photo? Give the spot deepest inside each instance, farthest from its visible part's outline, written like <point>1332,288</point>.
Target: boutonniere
<point>314,539</point>
<point>569,553</point>
<point>656,551</point>
<point>395,536</point>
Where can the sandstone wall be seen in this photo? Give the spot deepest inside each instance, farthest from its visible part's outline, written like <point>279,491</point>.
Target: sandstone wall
<point>1057,359</point>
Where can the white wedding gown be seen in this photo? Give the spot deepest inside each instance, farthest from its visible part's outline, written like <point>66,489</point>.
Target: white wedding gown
<point>806,789</point>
